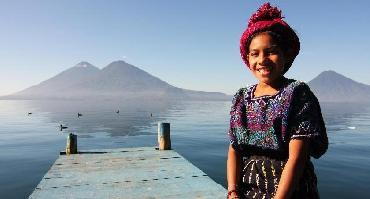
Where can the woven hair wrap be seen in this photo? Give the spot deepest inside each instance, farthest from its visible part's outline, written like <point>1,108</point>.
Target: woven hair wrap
<point>269,18</point>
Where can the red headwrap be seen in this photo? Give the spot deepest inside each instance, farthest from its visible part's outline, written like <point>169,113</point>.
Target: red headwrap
<point>269,18</point>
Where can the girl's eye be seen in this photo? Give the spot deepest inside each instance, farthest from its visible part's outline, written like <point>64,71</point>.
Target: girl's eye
<point>253,54</point>
<point>273,52</point>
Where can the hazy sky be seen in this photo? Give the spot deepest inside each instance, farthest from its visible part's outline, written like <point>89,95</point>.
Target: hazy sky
<point>191,44</point>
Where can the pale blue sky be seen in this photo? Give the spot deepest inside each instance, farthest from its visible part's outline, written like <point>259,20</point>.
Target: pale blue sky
<point>190,44</point>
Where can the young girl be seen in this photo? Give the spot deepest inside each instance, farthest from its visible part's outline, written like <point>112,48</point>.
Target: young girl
<point>276,125</point>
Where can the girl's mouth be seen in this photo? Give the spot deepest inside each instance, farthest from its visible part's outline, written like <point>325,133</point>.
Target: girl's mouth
<point>264,70</point>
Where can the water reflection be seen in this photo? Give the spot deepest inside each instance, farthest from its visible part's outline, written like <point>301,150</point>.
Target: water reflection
<point>340,116</point>
<point>90,116</point>
<point>343,171</point>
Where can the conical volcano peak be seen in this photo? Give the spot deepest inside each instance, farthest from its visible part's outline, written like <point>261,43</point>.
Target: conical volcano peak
<point>119,63</point>
<point>84,64</point>
<point>330,86</point>
<point>330,73</point>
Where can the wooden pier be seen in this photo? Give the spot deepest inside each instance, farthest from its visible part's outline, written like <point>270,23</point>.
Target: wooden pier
<point>144,172</point>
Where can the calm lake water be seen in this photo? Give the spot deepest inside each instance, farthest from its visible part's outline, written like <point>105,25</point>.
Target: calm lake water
<point>29,144</point>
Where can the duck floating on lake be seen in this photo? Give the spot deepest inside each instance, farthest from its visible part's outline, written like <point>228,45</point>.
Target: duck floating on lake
<point>62,127</point>
<point>79,114</point>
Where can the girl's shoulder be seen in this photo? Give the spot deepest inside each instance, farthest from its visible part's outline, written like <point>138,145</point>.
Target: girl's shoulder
<point>294,83</point>
<point>295,86</point>
<point>244,92</point>
<point>299,92</point>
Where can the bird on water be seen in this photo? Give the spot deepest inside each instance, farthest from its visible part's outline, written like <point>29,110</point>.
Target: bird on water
<point>62,127</point>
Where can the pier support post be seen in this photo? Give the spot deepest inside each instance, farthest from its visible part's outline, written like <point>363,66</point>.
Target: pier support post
<point>164,138</point>
<point>71,147</point>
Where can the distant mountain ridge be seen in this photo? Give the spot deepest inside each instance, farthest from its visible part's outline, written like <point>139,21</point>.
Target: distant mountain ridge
<point>117,80</point>
<point>330,86</point>
<point>122,80</point>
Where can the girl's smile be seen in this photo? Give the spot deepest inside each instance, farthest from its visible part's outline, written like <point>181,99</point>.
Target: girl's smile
<point>264,70</point>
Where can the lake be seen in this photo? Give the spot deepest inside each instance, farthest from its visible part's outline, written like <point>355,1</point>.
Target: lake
<point>30,143</point>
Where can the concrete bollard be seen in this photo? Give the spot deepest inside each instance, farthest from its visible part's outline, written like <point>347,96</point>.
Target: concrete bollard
<point>164,138</point>
<point>71,147</point>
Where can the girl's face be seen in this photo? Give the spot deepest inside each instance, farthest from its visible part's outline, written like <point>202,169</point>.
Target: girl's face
<point>266,59</point>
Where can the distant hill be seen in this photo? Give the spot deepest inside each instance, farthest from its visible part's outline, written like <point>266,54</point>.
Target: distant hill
<point>330,86</point>
<point>117,80</point>
<point>57,85</point>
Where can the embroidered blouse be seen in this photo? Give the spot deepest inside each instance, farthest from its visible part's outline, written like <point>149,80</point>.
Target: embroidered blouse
<point>264,125</point>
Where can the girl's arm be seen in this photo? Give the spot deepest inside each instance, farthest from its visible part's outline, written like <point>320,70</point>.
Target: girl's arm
<point>233,170</point>
<point>298,155</point>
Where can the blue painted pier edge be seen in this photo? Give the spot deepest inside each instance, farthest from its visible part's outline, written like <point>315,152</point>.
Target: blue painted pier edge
<point>144,172</point>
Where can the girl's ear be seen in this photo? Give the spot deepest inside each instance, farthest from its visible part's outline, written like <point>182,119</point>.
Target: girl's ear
<point>248,57</point>
<point>248,61</point>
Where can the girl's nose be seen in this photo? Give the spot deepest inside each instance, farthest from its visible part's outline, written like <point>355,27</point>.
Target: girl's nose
<point>263,58</point>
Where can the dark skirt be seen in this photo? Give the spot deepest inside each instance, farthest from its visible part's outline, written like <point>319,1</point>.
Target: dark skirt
<point>261,175</point>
